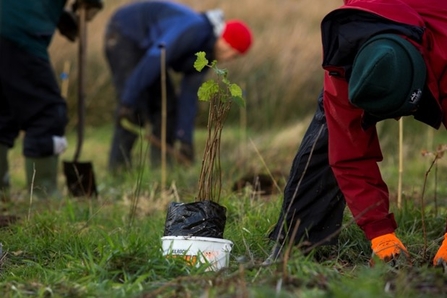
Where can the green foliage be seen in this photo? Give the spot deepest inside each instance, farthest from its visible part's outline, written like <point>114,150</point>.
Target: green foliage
<point>208,90</point>
<point>220,95</point>
<point>211,88</point>
<point>201,61</point>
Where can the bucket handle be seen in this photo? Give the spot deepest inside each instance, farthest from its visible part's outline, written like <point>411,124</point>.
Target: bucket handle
<point>227,247</point>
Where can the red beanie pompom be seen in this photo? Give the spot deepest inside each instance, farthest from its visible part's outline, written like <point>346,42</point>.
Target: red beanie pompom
<point>238,35</point>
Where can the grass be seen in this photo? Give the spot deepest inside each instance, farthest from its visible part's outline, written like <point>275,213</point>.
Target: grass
<point>91,248</point>
<point>111,247</point>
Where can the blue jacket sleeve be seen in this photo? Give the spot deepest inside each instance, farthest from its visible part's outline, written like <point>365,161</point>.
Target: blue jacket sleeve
<point>178,43</point>
<point>147,70</point>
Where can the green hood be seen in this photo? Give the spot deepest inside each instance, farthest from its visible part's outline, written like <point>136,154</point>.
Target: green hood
<point>30,23</point>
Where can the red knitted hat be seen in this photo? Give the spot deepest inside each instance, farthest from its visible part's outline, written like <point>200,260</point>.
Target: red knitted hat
<point>238,35</point>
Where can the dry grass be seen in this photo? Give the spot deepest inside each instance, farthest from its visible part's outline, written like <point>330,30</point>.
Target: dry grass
<point>281,77</point>
<point>281,74</point>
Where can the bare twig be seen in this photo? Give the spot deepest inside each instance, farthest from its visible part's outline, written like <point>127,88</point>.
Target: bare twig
<point>265,165</point>
<point>424,230</point>
<point>437,155</point>
<point>31,192</point>
<point>210,181</point>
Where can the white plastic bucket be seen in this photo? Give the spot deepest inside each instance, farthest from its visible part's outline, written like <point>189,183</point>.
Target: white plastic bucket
<point>199,250</point>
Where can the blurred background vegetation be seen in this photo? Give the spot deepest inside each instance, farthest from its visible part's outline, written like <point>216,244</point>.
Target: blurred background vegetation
<point>281,77</point>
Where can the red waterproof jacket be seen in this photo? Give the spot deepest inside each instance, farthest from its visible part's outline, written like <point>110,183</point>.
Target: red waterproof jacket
<point>353,151</point>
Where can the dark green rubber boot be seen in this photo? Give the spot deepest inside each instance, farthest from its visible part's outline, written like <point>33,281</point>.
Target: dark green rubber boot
<point>41,176</point>
<point>4,173</point>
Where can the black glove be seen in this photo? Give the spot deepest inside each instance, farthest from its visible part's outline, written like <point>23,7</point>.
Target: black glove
<point>129,119</point>
<point>187,150</point>
<point>92,6</point>
<point>68,25</point>
<point>128,113</point>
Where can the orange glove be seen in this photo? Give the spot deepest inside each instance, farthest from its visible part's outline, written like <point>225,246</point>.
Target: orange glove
<point>388,247</point>
<point>441,256</point>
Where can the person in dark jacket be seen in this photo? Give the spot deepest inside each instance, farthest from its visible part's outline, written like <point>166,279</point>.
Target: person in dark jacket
<point>383,59</point>
<point>136,35</point>
<point>30,98</point>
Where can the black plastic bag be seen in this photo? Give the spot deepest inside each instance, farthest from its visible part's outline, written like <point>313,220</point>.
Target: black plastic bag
<point>201,219</point>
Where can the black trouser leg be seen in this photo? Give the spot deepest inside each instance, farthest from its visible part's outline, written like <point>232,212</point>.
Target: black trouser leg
<point>313,203</point>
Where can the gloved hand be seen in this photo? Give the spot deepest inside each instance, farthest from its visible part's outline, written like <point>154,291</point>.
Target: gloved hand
<point>68,25</point>
<point>92,6</point>
<point>128,113</point>
<point>187,150</point>
<point>129,119</point>
<point>59,145</point>
<point>388,247</point>
<point>440,258</point>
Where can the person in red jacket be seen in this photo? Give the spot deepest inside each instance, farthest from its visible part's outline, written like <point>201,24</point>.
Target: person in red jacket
<point>383,59</point>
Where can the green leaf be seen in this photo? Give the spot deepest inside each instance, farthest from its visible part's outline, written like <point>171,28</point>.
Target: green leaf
<point>235,90</point>
<point>201,61</point>
<point>221,72</point>
<point>207,90</point>
<point>236,93</point>
<point>239,101</point>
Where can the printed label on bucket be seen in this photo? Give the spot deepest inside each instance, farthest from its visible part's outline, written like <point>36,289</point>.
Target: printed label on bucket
<point>190,260</point>
<point>199,250</point>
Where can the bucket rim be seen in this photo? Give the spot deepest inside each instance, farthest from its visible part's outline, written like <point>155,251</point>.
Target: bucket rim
<point>206,239</point>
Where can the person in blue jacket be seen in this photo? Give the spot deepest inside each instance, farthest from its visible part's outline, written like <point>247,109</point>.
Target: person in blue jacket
<point>136,35</point>
<point>30,98</point>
